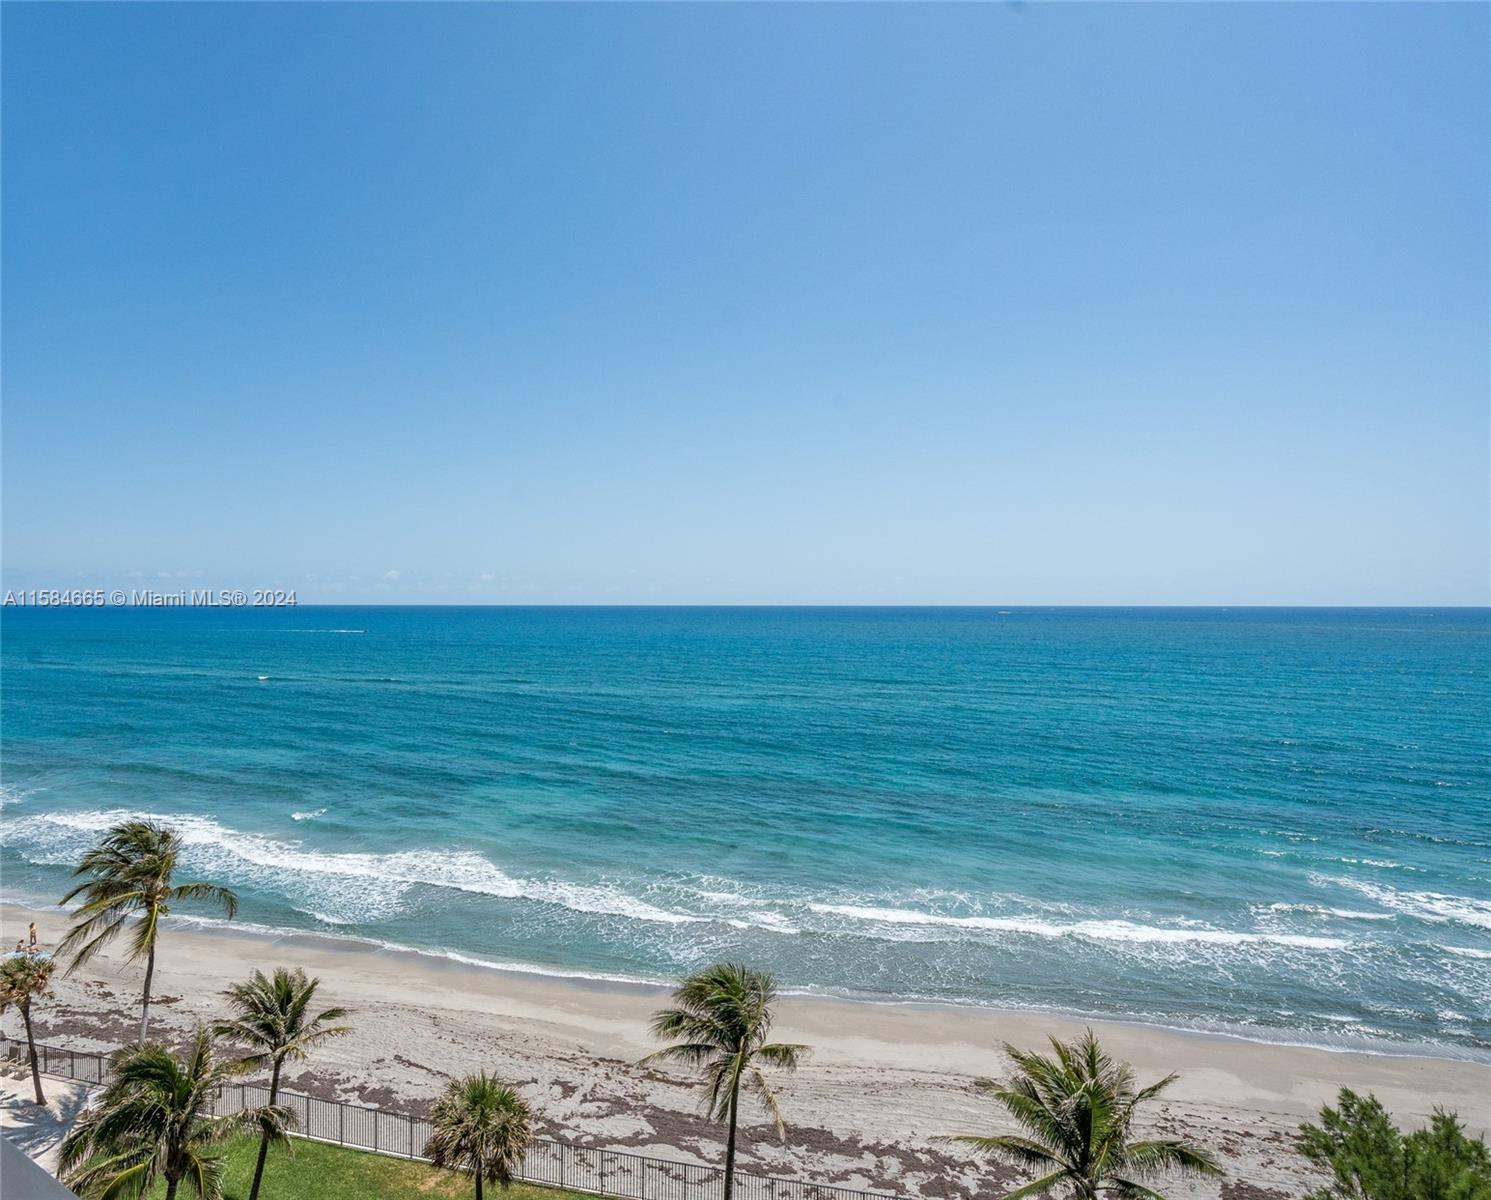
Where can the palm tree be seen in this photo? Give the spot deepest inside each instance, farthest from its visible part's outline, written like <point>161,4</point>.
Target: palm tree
<point>24,977</point>
<point>129,874</point>
<point>154,1121</point>
<point>480,1125</point>
<point>1077,1105</point>
<point>273,1019</point>
<point>721,1016</point>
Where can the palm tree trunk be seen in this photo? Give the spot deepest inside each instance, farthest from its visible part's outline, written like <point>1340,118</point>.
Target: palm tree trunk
<point>274,1094</point>
<point>730,1139</point>
<point>145,1007</point>
<point>171,1188</point>
<point>478,1185</point>
<point>31,1051</point>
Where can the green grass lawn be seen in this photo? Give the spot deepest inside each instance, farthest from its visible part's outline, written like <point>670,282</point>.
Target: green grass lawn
<point>315,1171</point>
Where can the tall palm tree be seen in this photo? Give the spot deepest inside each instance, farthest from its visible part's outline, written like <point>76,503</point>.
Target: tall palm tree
<point>1077,1105</point>
<point>481,1125</point>
<point>154,1121</point>
<point>272,1019</point>
<point>24,977</point>
<point>130,873</point>
<point>721,1017</point>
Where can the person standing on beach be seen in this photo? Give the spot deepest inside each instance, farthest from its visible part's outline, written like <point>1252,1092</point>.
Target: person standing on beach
<point>33,944</point>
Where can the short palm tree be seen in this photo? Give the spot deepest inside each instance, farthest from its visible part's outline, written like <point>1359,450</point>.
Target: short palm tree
<point>23,978</point>
<point>1077,1106</point>
<point>480,1124</point>
<point>130,873</point>
<point>721,1017</point>
<point>154,1121</point>
<point>273,1021</point>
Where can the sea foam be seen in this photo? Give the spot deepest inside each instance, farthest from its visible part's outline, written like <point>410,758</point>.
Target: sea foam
<point>1112,930</point>
<point>340,887</point>
<point>1427,906</point>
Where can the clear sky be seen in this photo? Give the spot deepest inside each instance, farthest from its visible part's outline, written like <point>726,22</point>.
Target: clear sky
<point>738,304</point>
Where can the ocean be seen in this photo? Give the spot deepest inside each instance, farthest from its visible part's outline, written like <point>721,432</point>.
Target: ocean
<point>1269,822</point>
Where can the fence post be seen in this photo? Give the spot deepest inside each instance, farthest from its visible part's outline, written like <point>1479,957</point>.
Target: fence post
<point>678,1181</point>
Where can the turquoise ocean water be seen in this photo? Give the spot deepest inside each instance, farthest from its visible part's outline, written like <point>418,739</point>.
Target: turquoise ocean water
<point>1276,822</point>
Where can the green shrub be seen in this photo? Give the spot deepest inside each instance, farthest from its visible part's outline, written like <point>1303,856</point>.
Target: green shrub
<point>1370,1159</point>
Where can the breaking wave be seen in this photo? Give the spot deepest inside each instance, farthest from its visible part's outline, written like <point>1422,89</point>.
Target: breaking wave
<point>1119,931</point>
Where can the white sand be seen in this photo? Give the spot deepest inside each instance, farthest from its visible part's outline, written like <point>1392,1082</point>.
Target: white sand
<point>881,1082</point>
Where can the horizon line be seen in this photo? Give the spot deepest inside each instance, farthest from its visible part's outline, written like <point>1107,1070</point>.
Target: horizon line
<point>776,605</point>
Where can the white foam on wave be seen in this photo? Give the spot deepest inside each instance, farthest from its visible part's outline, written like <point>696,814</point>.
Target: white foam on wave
<point>1112,930</point>
<point>763,919</point>
<point>1382,863</point>
<point>1467,952</point>
<point>322,631</point>
<point>1324,910</point>
<point>340,886</point>
<point>523,968</point>
<point>1427,906</point>
<point>354,887</point>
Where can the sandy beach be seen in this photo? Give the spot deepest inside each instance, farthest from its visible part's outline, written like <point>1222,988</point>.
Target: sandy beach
<point>883,1080</point>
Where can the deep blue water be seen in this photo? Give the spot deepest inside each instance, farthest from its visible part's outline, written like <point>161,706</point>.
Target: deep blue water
<point>1275,821</point>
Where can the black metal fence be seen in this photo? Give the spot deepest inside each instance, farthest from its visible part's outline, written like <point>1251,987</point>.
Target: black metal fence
<point>58,1060</point>
<point>552,1164</point>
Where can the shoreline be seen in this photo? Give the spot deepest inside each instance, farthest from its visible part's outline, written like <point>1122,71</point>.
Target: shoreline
<point>599,982</point>
<point>883,1080</point>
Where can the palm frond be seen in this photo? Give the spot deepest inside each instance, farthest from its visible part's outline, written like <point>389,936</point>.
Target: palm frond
<point>1018,1150</point>
<point>787,1056</point>
<point>224,898</point>
<point>153,1117</point>
<point>205,1175</point>
<point>718,1024</point>
<point>146,929</point>
<point>759,1084</point>
<point>480,1125</point>
<point>691,1054</point>
<point>1038,1187</point>
<point>115,1177</point>
<point>90,935</point>
<point>1129,1189</point>
<point>1150,1158</point>
<point>271,1018</point>
<point>1077,1104</point>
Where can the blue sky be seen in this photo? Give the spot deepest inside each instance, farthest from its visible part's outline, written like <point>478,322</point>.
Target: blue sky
<point>739,304</point>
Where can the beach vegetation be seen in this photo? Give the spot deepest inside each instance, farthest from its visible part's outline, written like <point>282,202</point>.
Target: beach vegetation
<point>1077,1106</point>
<point>718,1024</point>
<point>328,1172</point>
<point>274,1021</point>
<point>481,1126</point>
<point>154,1122</point>
<point>130,876</point>
<point>24,978</point>
<point>1369,1158</point>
